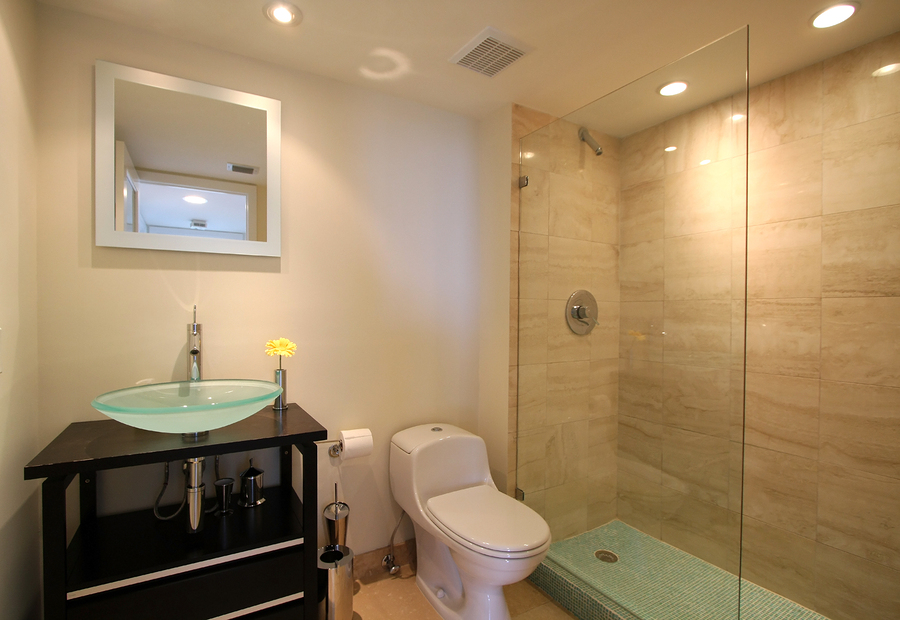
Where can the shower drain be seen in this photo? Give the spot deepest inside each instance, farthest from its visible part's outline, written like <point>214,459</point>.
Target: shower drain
<point>606,556</point>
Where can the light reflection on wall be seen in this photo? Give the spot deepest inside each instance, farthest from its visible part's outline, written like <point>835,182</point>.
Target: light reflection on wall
<point>387,64</point>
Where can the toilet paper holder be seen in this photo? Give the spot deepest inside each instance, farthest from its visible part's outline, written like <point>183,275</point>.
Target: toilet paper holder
<point>337,445</point>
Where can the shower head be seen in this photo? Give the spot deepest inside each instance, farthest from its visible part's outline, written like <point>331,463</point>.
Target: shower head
<point>586,137</point>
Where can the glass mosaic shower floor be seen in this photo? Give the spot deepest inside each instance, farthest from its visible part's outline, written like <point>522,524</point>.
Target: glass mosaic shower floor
<point>651,581</point>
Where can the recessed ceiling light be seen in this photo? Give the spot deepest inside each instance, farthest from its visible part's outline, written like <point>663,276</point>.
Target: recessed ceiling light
<point>834,15</point>
<point>195,200</point>
<point>673,88</point>
<point>283,13</point>
<point>669,149</point>
<point>704,162</point>
<point>886,70</point>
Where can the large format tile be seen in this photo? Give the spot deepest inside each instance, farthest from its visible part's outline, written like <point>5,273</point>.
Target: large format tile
<point>534,201</point>
<point>604,266</point>
<point>780,489</point>
<point>698,333</point>
<point>570,266</point>
<point>859,427</point>
<point>859,253</point>
<point>706,133</point>
<point>642,157</point>
<point>643,214</point>
<point>699,199</point>
<point>782,414</point>
<point>525,121</point>
<point>604,338</point>
<point>532,396</point>
<point>696,465</point>
<point>786,109</point>
<point>779,561</point>
<point>860,513</point>
<point>851,93</point>
<point>704,530</point>
<point>698,266</point>
<point>564,345</point>
<point>697,399</point>
<point>785,182</point>
<point>641,390</point>
<point>860,163</point>
<point>568,391</point>
<point>851,588</point>
<point>784,336</point>
<point>571,208</point>
<point>604,388</point>
<point>641,274</point>
<point>785,259</point>
<point>641,330</point>
<point>861,340</point>
<point>639,503</point>
<point>533,266</point>
<point>640,448</point>
<point>532,331</point>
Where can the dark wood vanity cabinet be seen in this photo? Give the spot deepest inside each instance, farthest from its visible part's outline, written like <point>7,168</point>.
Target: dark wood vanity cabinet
<point>253,564</point>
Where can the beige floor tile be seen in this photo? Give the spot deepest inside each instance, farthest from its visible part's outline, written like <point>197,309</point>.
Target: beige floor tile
<point>523,596</point>
<point>392,599</point>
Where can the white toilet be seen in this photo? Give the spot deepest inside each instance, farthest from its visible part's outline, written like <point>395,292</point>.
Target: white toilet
<point>471,539</point>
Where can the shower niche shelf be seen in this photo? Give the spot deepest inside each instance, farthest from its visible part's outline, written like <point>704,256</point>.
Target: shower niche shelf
<point>253,561</point>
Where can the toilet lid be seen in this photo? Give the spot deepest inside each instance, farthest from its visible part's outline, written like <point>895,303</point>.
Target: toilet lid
<point>485,517</point>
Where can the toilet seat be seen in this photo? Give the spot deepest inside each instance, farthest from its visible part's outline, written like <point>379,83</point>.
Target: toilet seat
<point>488,522</point>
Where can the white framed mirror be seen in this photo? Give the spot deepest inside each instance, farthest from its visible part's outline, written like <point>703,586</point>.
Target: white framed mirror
<point>185,166</point>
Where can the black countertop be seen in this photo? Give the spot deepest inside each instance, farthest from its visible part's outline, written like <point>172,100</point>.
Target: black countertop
<point>107,444</point>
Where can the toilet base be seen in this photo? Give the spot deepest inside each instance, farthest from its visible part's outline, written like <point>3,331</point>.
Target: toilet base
<point>481,602</point>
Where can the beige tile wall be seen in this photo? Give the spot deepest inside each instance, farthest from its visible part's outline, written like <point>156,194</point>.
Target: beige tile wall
<point>681,331</point>
<point>663,424</point>
<point>563,399</point>
<point>822,468</point>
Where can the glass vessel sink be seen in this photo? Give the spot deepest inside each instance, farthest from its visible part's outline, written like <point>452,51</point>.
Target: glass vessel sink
<point>187,406</point>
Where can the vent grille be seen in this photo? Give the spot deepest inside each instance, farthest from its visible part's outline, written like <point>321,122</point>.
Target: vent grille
<point>242,168</point>
<point>489,53</point>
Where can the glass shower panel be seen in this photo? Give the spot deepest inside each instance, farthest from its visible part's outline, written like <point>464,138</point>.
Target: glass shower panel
<point>630,438</point>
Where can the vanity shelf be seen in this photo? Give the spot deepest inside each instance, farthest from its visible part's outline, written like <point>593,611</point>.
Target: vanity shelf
<point>253,560</point>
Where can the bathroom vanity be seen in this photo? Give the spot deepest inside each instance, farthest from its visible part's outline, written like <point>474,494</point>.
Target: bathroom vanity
<point>253,563</point>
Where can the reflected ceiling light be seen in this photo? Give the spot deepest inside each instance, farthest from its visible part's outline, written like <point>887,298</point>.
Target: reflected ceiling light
<point>886,70</point>
<point>737,117</point>
<point>704,162</point>
<point>283,13</point>
<point>527,155</point>
<point>195,200</point>
<point>672,88</point>
<point>669,149</point>
<point>834,15</point>
<point>388,64</point>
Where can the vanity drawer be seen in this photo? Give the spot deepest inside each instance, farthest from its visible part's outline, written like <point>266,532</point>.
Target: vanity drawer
<point>202,594</point>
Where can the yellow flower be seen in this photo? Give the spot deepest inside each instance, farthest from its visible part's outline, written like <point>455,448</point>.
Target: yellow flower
<point>636,334</point>
<point>282,346</point>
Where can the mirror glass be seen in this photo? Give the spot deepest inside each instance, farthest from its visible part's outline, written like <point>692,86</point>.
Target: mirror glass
<point>185,166</point>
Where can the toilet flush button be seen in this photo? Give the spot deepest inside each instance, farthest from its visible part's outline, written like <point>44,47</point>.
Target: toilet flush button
<point>440,593</point>
<point>436,429</point>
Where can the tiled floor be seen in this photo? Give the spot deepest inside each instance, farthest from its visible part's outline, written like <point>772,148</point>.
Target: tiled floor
<point>398,598</point>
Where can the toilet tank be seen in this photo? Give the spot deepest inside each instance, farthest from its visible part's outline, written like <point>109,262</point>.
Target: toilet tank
<point>433,459</point>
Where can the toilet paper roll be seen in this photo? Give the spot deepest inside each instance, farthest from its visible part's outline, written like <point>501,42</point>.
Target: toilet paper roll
<point>356,443</point>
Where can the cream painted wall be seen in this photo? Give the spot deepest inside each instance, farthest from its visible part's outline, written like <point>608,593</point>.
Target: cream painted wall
<point>379,282</point>
<point>19,441</point>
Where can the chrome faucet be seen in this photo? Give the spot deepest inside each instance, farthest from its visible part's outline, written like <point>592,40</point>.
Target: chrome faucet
<point>194,356</point>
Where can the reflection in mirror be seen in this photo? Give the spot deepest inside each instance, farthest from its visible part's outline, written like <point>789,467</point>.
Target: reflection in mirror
<point>185,166</point>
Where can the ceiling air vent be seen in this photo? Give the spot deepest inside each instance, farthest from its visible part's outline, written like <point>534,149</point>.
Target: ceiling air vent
<point>242,168</point>
<point>198,224</point>
<point>490,52</point>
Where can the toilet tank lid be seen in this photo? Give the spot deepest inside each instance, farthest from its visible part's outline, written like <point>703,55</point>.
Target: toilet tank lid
<point>411,438</point>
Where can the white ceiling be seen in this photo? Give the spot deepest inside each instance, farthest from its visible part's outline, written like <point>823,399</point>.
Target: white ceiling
<point>582,49</point>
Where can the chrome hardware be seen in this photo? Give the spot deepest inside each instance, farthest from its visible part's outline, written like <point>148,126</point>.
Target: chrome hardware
<point>523,181</point>
<point>581,312</point>
<point>194,355</point>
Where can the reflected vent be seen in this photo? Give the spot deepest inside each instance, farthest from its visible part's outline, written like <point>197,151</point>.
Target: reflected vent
<point>490,52</point>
